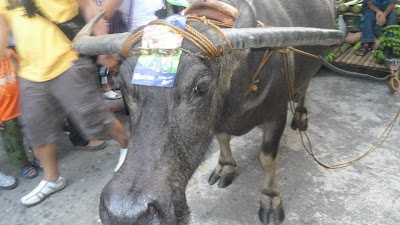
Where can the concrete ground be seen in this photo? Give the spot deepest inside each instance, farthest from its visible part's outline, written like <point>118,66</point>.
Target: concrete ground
<point>346,115</point>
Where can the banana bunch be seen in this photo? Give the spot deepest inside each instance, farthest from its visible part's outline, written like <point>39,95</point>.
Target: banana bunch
<point>390,44</point>
<point>330,57</point>
<point>379,56</point>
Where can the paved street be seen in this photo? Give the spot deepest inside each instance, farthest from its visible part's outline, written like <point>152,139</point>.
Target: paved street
<point>346,115</point>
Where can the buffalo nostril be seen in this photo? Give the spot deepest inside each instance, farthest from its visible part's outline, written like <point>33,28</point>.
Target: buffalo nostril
<point>150,216</point>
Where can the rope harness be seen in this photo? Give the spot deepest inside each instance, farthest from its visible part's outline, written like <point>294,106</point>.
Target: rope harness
<point>211,51</point>
<point>303,134</point>
<point>206,46</point>
<point>394,82</point>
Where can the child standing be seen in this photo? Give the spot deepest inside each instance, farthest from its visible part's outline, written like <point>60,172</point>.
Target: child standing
<point>9,127</point>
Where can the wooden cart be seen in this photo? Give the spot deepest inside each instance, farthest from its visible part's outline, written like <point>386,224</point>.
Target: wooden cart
<point>363,66</point>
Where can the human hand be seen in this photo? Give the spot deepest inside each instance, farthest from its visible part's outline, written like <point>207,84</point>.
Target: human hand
<point>381,22</point>
<point>380,18</point>
<point>113,71</point>
<point>109,61</point>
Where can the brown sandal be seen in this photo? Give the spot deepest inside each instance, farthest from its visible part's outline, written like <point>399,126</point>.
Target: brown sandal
<point>362,51</point>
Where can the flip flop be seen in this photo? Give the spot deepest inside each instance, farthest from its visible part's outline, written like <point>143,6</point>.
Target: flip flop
<point>111,95</point>
<point>29,171</point>
<point>362,51</point>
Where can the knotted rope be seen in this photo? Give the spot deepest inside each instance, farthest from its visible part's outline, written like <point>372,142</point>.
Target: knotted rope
<point>394,82</point>
<point>206,46</point>
<point>303,135</point>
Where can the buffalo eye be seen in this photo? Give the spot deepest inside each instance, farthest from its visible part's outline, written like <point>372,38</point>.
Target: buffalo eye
<point>201,88</point>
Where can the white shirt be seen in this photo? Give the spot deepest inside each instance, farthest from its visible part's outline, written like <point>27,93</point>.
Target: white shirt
<point>142,12</point>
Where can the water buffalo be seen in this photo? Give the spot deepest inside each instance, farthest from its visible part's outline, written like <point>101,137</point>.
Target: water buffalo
<point>172,127</point>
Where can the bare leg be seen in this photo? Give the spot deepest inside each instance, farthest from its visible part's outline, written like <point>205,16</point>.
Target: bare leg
<point>118,133</point>
<point>47,156</point>
<point>105,88</point>
<point>51,182</point>
<point>270,202</point>
<point>225,170</point>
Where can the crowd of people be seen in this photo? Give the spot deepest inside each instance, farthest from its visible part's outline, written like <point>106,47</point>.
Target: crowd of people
<point>45,84</point>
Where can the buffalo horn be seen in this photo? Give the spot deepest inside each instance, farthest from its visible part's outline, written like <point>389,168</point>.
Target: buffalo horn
<point>244,38</point>
<point>98,45</point>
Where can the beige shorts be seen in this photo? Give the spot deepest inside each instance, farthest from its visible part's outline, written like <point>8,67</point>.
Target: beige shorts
<point>75,93</point>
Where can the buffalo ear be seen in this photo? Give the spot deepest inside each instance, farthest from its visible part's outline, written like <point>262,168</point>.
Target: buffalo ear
<point>247,16</point>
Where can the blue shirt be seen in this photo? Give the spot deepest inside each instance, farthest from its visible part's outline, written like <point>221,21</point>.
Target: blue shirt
<point>383,2</point>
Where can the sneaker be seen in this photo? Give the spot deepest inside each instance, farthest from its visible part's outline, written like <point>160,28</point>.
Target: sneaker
<point>29,171</point>
<point>44,189</point>
<point>111,95</point>
<point>7,182</point>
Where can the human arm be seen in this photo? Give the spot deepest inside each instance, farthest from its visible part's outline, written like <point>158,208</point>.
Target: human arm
<point>382,19</point>
<point>90,10</point>
<point>3,36</point>
<point>380,16</point>
<point>378,12</point>
<point>111,6</point>
<point>373,7</point>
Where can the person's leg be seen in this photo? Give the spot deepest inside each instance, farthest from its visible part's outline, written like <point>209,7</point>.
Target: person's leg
<point>118,133</point>
<point>52,182</point>
<point>82,100</point>
<point>391,19</point>
<point>367,36</point>
<point>47,156</point>
<point>103,75</point>
<point>108,93</point>
<point>12,142</point>
<point>42,122</point>
<point>78,141</point>
<point>105,87</point>
<point>14,146</point>
<point>368,26</point>
<point>74,135</point>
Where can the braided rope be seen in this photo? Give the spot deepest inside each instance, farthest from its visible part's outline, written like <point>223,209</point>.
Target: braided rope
<point>206,46</point>
<point>394,82</point>
<point>126,48</point>
<point>305,139</point>
<point>303,134</point>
